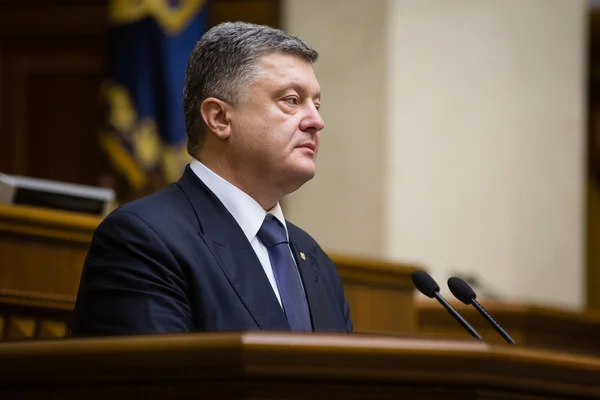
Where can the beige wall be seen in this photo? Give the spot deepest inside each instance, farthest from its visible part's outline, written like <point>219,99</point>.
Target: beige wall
<point>454,137</point>
<point>343,206</point>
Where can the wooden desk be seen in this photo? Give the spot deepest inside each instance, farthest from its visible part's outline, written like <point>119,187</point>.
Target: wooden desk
<point>529,325</point>
<point>289,366</point>
<point>42,254</point>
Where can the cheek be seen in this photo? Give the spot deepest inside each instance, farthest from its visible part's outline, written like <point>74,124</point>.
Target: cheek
<point>253,131</point>
<point>270,131</point>
<point>282,129</point>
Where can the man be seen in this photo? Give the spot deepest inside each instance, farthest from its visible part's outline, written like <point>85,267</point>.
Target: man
<point>213,252</point>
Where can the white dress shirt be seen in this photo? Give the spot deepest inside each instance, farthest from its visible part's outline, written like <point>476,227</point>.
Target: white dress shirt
<point>246,211</point>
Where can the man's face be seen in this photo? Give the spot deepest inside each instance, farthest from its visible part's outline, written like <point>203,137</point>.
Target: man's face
<point>275,128</point>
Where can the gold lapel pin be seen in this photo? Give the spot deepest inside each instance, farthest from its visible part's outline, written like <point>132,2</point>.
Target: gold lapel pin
<point>302,256</point>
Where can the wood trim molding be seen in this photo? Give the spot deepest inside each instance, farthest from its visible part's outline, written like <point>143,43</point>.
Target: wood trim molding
<point>374,271</point>
<point>50,224</point>
<point>53,301</point>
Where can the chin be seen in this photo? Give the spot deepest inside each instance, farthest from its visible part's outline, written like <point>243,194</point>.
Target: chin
<point>306,169</point>
<point>303,175</point>
<point>298,175</point>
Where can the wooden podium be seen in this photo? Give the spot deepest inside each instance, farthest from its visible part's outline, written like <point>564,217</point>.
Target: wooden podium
<point>260,365</point>
<point>42,253</point>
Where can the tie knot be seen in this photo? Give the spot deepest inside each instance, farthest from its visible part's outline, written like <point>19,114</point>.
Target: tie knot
<point>272,233</point>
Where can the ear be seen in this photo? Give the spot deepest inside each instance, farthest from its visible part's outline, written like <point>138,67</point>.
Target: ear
<point>215,115</point>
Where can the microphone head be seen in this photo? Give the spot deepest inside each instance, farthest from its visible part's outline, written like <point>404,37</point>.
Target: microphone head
<point>425,283</point>
<point>461,290</point>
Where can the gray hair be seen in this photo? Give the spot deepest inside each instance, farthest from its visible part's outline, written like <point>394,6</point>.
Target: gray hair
<point>226,61</point>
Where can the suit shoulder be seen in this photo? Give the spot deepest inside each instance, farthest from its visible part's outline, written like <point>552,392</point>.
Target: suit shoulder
<point>302,237</point>
<point>298,233</point>
<point>159,209</point>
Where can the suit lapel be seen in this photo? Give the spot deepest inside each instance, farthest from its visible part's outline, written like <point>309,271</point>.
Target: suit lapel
<point>234,254</point>
<point>318,302</point>
<point>246,275</point>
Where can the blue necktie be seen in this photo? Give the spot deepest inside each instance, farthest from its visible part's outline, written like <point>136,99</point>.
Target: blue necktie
<point>272,234</point>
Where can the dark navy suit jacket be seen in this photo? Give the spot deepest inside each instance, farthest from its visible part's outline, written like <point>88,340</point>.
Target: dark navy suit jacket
<point>177,261</point>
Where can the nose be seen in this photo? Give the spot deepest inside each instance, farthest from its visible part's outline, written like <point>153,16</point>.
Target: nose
<point>312,122</point>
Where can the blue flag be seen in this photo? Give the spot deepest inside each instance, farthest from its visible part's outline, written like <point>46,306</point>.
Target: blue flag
<point>149,45</point>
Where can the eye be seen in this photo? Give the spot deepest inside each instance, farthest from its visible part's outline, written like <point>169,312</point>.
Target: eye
<point>293,101</point>
<point>317,106</point>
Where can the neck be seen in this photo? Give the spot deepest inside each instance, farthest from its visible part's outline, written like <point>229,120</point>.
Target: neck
<point>253,186</point>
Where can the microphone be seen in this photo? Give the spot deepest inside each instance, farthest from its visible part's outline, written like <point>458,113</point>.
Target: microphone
<point>463,292</point>
<point>427,285</point>
<point>482,287</point>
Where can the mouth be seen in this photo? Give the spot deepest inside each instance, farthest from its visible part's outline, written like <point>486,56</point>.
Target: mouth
<point>307,145</point>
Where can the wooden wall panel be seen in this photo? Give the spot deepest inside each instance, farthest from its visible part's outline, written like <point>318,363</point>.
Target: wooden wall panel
<point>264,12</point>
<point>51,66</point>
<point>55,115</point>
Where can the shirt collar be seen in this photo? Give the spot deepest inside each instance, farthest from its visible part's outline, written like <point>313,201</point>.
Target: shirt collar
<point>245,210</point>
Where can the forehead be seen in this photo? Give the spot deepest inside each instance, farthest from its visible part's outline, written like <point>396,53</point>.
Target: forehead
<point>282,69</point>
